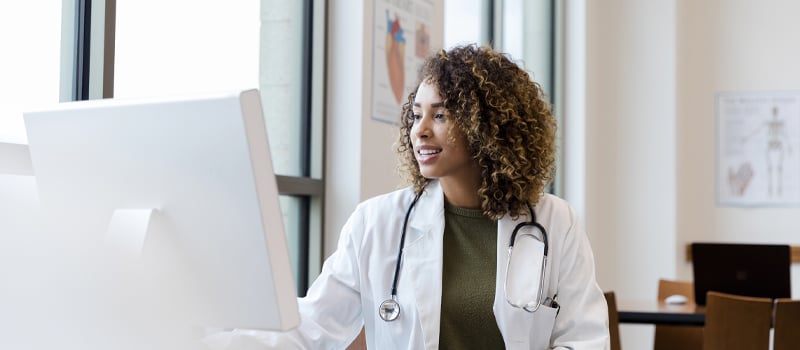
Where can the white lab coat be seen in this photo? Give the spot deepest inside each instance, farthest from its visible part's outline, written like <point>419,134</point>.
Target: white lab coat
<point>358,277</point>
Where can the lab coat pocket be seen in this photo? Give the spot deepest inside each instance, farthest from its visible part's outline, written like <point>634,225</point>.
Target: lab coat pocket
<point>527,330</point>
<point>542,328</point>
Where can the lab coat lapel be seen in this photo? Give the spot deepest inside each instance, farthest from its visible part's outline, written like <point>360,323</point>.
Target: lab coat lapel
<point>422,261</point>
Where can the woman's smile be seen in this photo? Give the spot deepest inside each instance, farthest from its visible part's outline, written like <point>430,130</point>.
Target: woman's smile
<point>427,154</point>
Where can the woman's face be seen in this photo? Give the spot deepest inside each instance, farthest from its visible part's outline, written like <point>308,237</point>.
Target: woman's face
<point>438,156</point>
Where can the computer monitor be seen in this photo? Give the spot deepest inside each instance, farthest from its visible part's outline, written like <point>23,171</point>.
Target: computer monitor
<point>163,221</point>
<point>757,270</point>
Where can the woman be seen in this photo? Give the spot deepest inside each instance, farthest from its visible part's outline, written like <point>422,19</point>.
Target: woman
<point>477,142</point>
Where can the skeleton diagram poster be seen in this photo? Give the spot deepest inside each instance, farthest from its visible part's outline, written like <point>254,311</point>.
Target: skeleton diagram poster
<point>401,42</point>
<point>758,149</point>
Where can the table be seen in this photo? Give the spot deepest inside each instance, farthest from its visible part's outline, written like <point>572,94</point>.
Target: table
<point>647,311</point>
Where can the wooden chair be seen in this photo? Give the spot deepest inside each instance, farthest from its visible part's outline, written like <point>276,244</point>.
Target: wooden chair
<point>736,322</point>
<point>787,324</point>
<point>613,320</point>
<point>670,337</point>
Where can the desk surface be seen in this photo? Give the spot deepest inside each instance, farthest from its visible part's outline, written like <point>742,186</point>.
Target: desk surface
<point>655,312</point>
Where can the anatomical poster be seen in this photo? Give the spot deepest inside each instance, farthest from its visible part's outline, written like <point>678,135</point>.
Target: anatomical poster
<point>758,149</point>
<point>401,42</point>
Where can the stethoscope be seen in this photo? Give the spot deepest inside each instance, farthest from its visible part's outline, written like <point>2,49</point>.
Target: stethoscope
<point>389,309</point>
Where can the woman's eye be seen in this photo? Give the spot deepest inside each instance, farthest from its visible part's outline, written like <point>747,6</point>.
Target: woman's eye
<point>416,116</point>
<point>439,116</point>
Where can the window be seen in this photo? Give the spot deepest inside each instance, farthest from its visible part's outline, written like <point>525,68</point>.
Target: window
<point>31,37</point>
<point>467,21</point>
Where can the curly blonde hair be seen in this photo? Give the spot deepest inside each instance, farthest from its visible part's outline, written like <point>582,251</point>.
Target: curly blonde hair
<point>507,121</point>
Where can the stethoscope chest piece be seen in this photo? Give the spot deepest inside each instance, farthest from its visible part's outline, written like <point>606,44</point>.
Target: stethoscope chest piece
<point>389,310</point>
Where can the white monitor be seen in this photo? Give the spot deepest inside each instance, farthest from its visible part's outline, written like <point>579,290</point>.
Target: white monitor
<point>163,220</point>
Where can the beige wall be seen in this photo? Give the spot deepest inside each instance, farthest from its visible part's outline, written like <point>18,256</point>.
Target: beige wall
<point>631,148</point>
<point>630,141</point>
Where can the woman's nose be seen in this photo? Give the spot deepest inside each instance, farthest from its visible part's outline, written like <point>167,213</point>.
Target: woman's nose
<point>422,127</point>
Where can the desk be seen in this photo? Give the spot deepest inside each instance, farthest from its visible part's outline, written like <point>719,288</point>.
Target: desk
<point>655,312</point>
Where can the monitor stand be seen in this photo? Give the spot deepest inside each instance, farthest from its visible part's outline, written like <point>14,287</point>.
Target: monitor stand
<point>127,231</point>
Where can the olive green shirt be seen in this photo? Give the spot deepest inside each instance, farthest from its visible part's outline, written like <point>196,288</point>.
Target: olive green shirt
<point>468,281</point>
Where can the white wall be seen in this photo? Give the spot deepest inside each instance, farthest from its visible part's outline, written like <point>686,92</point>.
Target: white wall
<point>652,69</point>
<point>360,157</point>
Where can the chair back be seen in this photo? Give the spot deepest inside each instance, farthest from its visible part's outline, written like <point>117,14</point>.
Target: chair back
<point>787,324</point>
<point>671,287</point>
<point>670,337</point>
<point>613,320</point>
<point>736,322</point>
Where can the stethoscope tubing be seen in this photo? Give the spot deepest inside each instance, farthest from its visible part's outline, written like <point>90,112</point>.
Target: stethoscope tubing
<point>389,309</point>
<point>529,223</point>
<point>530,307</point>
<point>402,245</point>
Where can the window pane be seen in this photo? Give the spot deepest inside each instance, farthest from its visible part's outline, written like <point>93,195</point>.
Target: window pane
<point>31,35</point>
<point>463,22</point>
<point>281,81</point>
<point>179,47</point>
<point>290,206</point>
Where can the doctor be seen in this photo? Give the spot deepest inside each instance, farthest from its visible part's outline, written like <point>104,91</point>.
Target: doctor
<point>427,267</point>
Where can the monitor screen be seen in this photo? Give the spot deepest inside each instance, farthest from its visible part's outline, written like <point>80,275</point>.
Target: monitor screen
<point>162,218</point>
